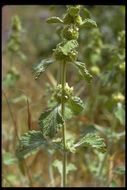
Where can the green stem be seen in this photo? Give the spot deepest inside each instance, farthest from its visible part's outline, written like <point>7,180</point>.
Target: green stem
<point>63,80</point>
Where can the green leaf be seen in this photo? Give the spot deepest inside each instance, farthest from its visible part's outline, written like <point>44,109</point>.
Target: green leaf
<point>86,13</point>
<point>120,170</point>
<point>41,67</point>
<point>120,114</point>
<point>76,105</point>
<point>71,167</point>
<point>29,142</point>
<point>70,145</point>
<point>69,46</point>
<point>68,113</point>
<point>83,71</point>
<point>9,159</point>
<point>88,23</point>
<point>54,20</point>
<point>50,122</point>
<point>59,166</point>
<point>94,141</point>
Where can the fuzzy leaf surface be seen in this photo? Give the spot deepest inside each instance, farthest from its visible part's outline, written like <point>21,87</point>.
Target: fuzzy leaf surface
<point>89,23</point>
<point>83,71</point>
<point>29,142</point>
<point>41,66</point>
<point>76,105</point>
<point>69,46</point>
<point>54,20</point>
<point>94,141</point>
<point>50,122</point>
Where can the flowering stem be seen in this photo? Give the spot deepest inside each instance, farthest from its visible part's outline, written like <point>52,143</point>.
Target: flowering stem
<point>63,80</point>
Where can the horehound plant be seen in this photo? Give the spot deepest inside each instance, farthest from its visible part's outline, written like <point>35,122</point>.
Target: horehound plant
<point>52,122</point>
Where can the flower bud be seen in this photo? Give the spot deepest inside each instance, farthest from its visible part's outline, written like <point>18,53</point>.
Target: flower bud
<point>70,32</point>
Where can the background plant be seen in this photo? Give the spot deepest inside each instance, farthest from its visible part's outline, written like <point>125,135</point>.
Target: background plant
<point>101,112</point>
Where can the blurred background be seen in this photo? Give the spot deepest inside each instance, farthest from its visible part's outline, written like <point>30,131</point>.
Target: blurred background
<point>24,98</point>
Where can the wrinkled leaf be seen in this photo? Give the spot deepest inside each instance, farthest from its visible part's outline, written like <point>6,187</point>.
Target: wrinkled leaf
<point>41,67</point>
<point>76,105</point>
<point>83,71</point>
<point>88,23</point>
<point>53,20</point>
<point>29,142</point>
<point>50,122</point>
<point>9,159</point>
<point>94,141</point>
<point>69,46</point>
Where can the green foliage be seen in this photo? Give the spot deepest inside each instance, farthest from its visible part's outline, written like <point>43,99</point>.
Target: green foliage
<point>50,121</point>
<point>68,47</point>
<point>120,113</point>
<point>29,142</point>
<point>41,67</point>
<point>120,170</point>
<point>58,165</point>
<point>11,77</point>
<point>93,141</point>
<point>76,105</point>
<point>9,159</point>
<point>86,13</point>
<point>53,20</point>
<point>66,105</point>
<point>83,71</point>
<point>89,23</point>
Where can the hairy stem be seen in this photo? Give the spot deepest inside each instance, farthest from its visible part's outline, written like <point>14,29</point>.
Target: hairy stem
<point>63,80</point>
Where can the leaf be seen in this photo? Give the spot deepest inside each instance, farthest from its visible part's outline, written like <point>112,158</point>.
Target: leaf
<point>69,46</point>
<point>76,105</point>
<point>120,170</point>
<point>68,113</point>
<point>50,122</point>
<point>9,159</point>
<point>70,145</point>
<point>83,71</point>
<point>58,165</point>
<point>41,67</point>
<point>94,141</point>
<point>29,142</point>
<point>71,167</point>
<point>54,20</point>
<point>88,23</point>
<point>86,13</point>
<point>120,114</point>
